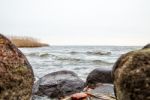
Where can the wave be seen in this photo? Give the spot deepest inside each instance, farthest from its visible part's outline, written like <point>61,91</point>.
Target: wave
<point>69,59</point>
<point>44,55</point>
<point>91,53</point>
<point>98,53</point>
<point>78,60</point>
<point>37,54</point>
<point>100,62</point>
<point>74,52</point>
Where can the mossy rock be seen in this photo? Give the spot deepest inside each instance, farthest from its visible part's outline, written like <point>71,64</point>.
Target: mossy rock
<point>131,76</point>
<point>16,74</point>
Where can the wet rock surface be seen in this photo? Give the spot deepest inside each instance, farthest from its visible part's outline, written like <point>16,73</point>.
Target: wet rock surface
<point>131,76</point>
<point>106,89</point>
<point>100,92</point>
<point>99,76</point>
<point>16,75</point>
<point>58,84</point>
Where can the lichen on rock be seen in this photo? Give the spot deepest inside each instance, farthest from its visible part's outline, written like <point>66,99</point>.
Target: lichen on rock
<point>16,75</point>
<point>131,76</point>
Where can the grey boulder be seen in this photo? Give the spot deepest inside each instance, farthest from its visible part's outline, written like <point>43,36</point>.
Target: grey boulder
<point>58,84</point>
<point>99,75</point>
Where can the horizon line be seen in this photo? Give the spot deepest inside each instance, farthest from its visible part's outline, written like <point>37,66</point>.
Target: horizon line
<point>92,45</point>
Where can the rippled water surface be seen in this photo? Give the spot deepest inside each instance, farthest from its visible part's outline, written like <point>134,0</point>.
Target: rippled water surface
<point>80,59</point>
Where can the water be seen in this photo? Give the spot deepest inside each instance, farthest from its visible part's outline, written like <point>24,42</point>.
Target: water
<point>80,59</point>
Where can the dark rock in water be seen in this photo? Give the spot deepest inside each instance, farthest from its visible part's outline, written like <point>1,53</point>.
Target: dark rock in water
<point>58,84</point>
<point>16,75</point>
<point>131,76</point>
<point>147,46</point>
<point>99,76</point>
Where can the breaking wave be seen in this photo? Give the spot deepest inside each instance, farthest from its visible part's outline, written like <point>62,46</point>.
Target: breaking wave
<point>37,54</point>
<point>69,59</point>
<point>101,62</point>
<point>91,53</point>
<point>78,60</point>
<point>98,53</point>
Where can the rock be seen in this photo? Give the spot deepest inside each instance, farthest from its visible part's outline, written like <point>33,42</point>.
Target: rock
<point>79,96</point>
<point>58,84</point>
<point>16,75</point>
<point>147,46</point>
<point>106,89</point>
<point>99,76</point>
<point>131,76</point>
<point>89,96</point>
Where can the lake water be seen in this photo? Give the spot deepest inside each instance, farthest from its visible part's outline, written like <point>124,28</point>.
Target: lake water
<point>79,59</point>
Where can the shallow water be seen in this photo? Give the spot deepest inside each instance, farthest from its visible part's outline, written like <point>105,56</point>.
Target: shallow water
<point>80,59</point>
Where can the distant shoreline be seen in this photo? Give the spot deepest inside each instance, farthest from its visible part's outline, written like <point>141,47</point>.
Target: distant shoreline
<point>27,42</point>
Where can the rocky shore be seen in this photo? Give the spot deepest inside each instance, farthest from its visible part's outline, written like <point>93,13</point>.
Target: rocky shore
<point>129,79</point>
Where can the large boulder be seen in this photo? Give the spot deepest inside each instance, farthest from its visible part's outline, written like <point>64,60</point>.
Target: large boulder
<point>98,75</point>
<point>58,84</point>
<point>131,76</point>
<point>16,75</point>
<point>146,46</point>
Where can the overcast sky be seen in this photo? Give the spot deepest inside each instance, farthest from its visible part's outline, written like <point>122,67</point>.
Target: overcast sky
<point>78,22</point>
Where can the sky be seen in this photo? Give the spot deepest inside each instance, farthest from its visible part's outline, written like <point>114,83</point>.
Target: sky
<point>78,22</point>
